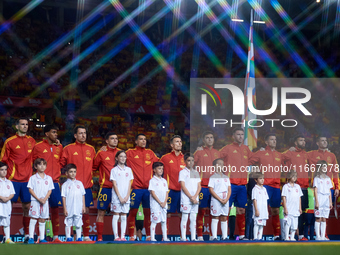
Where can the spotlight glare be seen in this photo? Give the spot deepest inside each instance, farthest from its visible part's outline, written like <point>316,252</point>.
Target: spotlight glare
<point>259,22</point>
<point>237,20</point>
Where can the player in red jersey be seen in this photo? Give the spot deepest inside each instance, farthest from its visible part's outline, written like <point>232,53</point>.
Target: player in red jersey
<point>297,160</point>
<point>82,155</point>
<point>105,161</point>
<point>236,159</point>
<point>50,149</point>
<point>173,164</point>
<point>140,160</point>
<point>17,154</point>
<point>204,158</point>
<point>271,162</point>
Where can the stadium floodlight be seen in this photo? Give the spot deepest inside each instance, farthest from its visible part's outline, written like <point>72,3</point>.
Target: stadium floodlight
<point>237,20</point>
<point>259,22</point>
<point>318,1</point>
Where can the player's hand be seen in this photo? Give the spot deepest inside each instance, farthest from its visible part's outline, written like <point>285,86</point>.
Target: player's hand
<point>300,211</point>
<point>336,192</point>
<point>317,205</point>
<point>199,148</point>
<point>257,213</point>
<point>121,200</point>
<point>57,142</point>
<point>262,149</point>
<point>65,212</point>
<point>103,148</point>
<point>163,205</point>
<point>285,211</point>
<point>292,149</point>
<point>83,210</point>
<point>330,207</point>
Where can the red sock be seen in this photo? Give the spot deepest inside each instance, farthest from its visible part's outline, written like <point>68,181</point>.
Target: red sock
<point>200,217</point>
<point>100,227</point>
<point>241,223</point>
<point>86,224</point>
<point>55,220</point>
<point>147,220</point>
<point>276,225</point>
<point>132,221</point>
<point>210,219</point>
<point>26,223</point>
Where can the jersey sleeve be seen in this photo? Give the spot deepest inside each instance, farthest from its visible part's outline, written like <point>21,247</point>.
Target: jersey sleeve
<point>254,158</point>
<point>83,192</point>
<point>181,177</point>
<point>30,184</point>
<point>63,190</point>
<point>284,191</point>
<point>50,183</point>
<point>211,183</point>
<point>96,162</point>
<point>315,183</point>
<point>300,192</point>
<point>267,197</point>
<point>253,194</point>
<point>5,152</point>
<point>131,174</point>
<point>11,190</point>
<point>151,185</point>
<point>113,174</point>
<point>64,157</point>
<point>228,182</point>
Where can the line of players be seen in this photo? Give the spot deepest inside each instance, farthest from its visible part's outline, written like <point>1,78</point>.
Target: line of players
<point>21,150</point>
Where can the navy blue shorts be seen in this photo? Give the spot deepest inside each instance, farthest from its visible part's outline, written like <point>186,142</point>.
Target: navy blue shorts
<point>274,195</point>
<point>204,197</point>
<point>238,196</point>
<point>22,191</point>
<point>140,196</point>
<point>174,201</point>
<point>55,198</point>
<point>104,198</point>
<point>88,197</point>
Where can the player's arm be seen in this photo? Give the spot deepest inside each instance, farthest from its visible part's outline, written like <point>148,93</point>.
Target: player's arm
<point>213,193</point>
<point>5,152</point>
<point>154,196</point>
<point>6,199</point>
<point>64,206</point>
<point>229,194</point>
<point>284,203</point>
<point>335,175</point>
<point>257,213</point>
<point>330,200</point>
<point>129,191</point>
<point>197,192</point>
<point>254,158</point>
<point>34,195</point>
<point>64,157</point>
<point>96,162</point>
<point>115,188</point>
<point>316,198</point>
<point>185,190</point>
<point>300,207</point>
<point>83,209</point>
<point>47,196</point>
<point>166,199</point>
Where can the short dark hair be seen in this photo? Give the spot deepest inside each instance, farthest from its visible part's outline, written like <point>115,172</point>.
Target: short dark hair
<point>237,129</point>
<point>75,130</point>
<point>207,133</point>
<point>107,136</point>
<point>173,137</point>
<point>48,128</point>
<point>3,164</point>
<point>138,135</point>
<point>297,137</point>
<point>215,161</point>
<point>38,161</point>
<point>320,136</point>
<point>68,167</point>
<point>266,137</point>
<point>157,164</point>
<point>21,118</point>
<point>188,155</point>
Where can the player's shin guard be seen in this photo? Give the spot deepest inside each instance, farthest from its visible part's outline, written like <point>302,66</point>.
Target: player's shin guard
<point>241,223</point>
<point>153,230</point>
<point>147,220</point>
<point>7,232</point>
<point>224,228</point>
<point>184,225</point>
<point>100,227</point>
<point>200,216</point>
<point>122,226</point>
<point>115,219</point>
<point>214,223</point>
<point>132,221</point>
<point>276,225</point>
<point>193,226</point>
<point>26,224</point>
<point>317,230</point>
<point>323,229</point>
<point>86,224</point>
<point>164,230</point>
<point>55,220</point>
<point>32,227</point>
<point>256,232</point>
<point>42,230</point>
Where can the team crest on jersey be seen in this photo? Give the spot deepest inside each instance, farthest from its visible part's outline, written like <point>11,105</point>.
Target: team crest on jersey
<point>155,218</point>
<point>215,155</point>
<point>245,151</point>
<point>57,150</point>
<point>288,190</point>
<point>205,155</point>
<point>329,159</point>
<point>136,156</point>
<point>185,208</point>
<point>327,182</point>
<point>33,213</point>
<point>317,213</point>
<point>46,182</point>
<point>267,154</point>
<point>107,158</point>
<point>126,174</point>
<point>88,153</point>
<point>225,180</point>
<point>296,190</point>
<point>235,151</point>
<point>18,147</point>
<point>8,187</point>
<point>147,156</point>
<point>78,187</point>
<point>215,211</point>
<point>76,153</point>
<point>45,151</point>
<point>29,145</point>
<point>164,184</point>
<point>38,182</point>
<point>171,161</point>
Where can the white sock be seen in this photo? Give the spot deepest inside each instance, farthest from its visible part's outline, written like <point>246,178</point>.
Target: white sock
<point>55,237</point>
<point>7,232</point>
<point>256,231</point>
<point>122,226</point>
<point>323,229</point>
<point>115,219</point>
<point>153,230</point>
<point>286,231</point>
<point>78,232</point>
<point>301,236</point>
<point>184,225</point>
<point>68,232</point>
<point>282,225</point>
<point>260,232</point>
<point>42,230</point>
<point>164,231</point>
<point>292,235</point>
<point>317,229</point>
<point>224,228</point>
<point>32,227</point>
<point>214,223</point>
<point>193,226</point>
